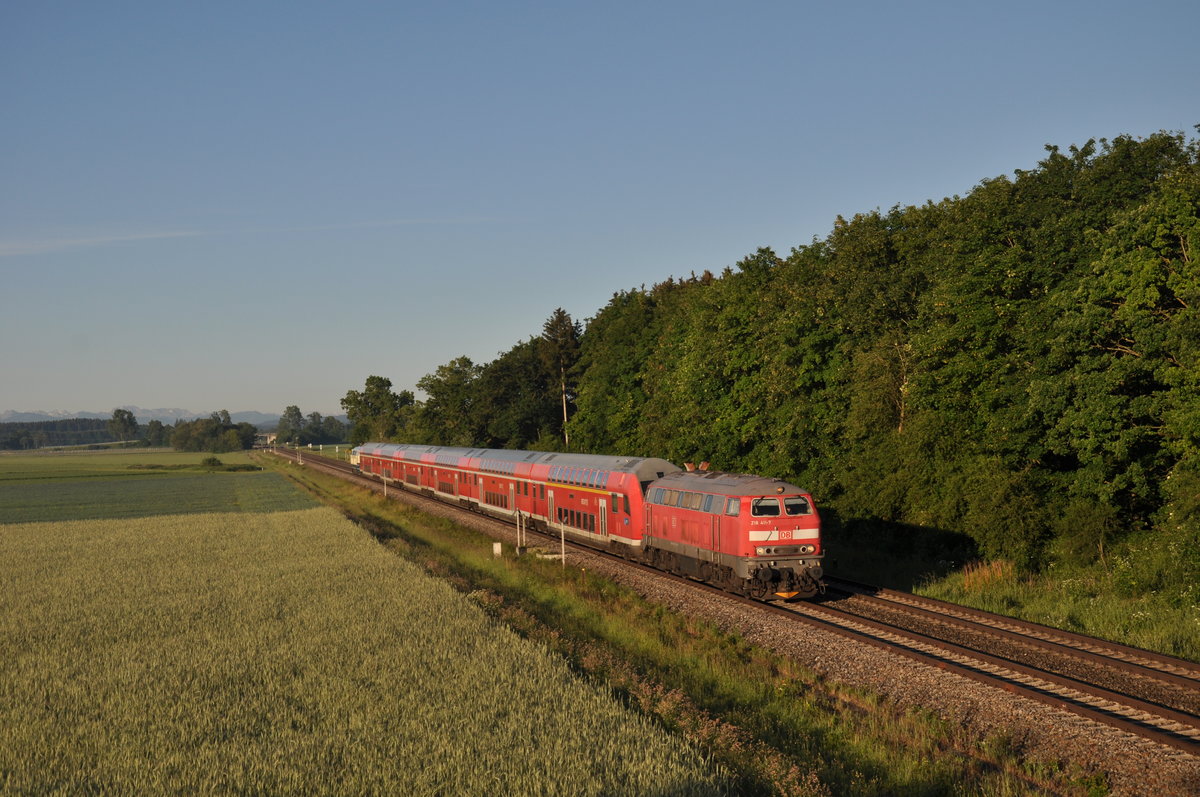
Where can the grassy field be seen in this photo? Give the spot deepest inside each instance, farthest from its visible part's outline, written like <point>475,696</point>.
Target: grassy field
<point>283,652</point>
<point>135,484</point>
<point>331,450</point>
<point>129,463</point>
<point>779,728</point>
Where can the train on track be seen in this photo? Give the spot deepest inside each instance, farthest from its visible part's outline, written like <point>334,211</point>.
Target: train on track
<point>753,535</point>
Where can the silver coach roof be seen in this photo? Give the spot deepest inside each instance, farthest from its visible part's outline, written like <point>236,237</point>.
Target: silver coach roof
<point>715,481</point>
<point>644,468</point>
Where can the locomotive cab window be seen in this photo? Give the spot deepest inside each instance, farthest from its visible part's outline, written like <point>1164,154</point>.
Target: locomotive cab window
<point>765,507</point>
<point>797,505</point>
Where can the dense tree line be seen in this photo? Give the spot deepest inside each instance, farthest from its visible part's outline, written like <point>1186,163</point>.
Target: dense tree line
<point>520,400</point>
<point>66,432</point>
<point>121,427</point>
<point>208,434</point>
<point>1020,364</point>
<point>216,433</point>
<point>295,427</point>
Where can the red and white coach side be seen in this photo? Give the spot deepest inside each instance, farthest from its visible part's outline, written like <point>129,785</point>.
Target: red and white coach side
<point>591,497</point>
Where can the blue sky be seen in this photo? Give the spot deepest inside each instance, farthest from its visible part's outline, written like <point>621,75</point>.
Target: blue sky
<point>249,205</point>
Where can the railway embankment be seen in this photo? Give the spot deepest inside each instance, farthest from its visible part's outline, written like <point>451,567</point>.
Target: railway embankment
<point>836,713</point>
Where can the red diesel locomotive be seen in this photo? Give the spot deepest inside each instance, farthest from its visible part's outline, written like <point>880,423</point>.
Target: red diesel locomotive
<point>749,534</point>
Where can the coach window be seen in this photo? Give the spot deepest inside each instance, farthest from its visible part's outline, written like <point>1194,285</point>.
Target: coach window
<point>796,505</point>
<point>732,507</point>
<point>765,507</point>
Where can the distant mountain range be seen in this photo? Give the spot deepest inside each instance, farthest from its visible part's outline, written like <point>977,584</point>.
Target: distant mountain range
<point>165,415</point>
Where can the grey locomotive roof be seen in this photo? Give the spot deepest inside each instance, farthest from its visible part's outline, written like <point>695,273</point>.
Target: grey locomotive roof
<point>645,468</point>
<point>715,481</point>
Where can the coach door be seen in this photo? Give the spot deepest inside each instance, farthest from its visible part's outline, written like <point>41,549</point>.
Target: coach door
<point>512,496</point>
<point>603,517</point>
<point>551,518</point>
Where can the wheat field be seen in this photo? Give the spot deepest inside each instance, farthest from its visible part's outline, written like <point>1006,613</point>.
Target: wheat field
<point>287,652</point>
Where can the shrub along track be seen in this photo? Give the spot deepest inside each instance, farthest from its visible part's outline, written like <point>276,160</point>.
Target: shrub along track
<point>1137,693</point>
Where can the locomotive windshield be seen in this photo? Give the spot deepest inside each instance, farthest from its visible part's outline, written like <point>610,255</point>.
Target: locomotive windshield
<point>797,505</point>
<point>769,507</point>
<point>764,507</point>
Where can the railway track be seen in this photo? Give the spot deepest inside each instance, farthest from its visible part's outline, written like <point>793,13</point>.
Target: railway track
<point>1178,680</point>
<point>1151,695</point>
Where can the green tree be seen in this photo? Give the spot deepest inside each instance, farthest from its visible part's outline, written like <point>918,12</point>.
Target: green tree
<point>123,425</point>
<point>332,430</point>
<point>515,400</point>
<point>376,413</point>
<point>560,352</point>
<point>157,433</point>
<point>216,433</point>
<point>449,415</point>
<point>614,355</point>
<point>312,432</point>
<point>291,422</point>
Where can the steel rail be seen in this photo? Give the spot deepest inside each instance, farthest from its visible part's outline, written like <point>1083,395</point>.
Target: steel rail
<point>1124,664</point>
<point>1180,671</point>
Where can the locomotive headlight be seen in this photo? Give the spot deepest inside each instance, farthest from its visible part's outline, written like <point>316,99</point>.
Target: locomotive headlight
<point>807,548</point>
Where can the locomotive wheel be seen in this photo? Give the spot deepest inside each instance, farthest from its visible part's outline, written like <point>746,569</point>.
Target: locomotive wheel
<point>753,588</point>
